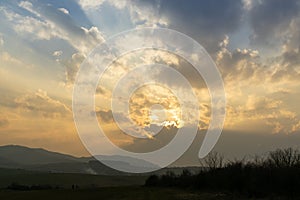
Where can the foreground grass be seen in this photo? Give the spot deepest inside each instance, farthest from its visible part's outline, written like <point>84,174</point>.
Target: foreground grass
<point>65,181</point>
<point>123,193</point>
<point>95,187</point>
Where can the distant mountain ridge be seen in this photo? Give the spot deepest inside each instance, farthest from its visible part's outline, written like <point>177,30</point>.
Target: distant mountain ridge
<point>41,160</point>
<point>38,159</point>
<point>34,156</point>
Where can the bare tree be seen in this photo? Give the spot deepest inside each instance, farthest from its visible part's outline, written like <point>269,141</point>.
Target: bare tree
<point>213,160</point>
<point>256,161</point>
<point>284,157</point>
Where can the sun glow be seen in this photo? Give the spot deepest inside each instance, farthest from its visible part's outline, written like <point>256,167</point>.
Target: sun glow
<point>155,105</point>
<point>167,118</point>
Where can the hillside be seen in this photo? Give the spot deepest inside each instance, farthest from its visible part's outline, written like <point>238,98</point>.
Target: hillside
<point>37,159</point>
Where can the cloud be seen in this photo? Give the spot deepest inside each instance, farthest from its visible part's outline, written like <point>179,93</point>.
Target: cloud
<point>258,104</point>
<point>88,4</point>
<point>270,19</point>
<point>288,62</point>
<point>146,16</point>
<point>102,91</point>
<point>262,89</point>
<point>143,109</point>
<point>135,14</point>
<point>4,122</point>
<point>248,4</point>
<point>105,116</point>
<point>263,111</point>
<point>286,67</point>
<point>239,64</point>
<point>72,66</point>
<point>142,100</point>
<point>82,38</point>
<point>205,21</point>
<point>292,38</point>
<point>27,5</point>
<point>8,58</point>
<point>42,30</point>
<point>57,53</point>
<point>63,10</point>
<point>285,74</point>
<point>91,38</point>
<point>291,58</point>
<point>248,66</point>
<point>39,103</point>
<point>95,4</point>
<point>31,27</point>
<point>155,57</point>
<point>52,23</point>
<point>1,40</point>
<point>253,85</point>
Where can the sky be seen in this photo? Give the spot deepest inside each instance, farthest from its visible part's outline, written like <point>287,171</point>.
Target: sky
<point>254,43</point>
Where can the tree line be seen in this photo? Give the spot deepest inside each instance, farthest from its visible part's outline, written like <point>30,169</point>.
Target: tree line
<point>275,174</point>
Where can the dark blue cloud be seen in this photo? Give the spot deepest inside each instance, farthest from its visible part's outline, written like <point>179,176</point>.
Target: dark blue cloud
<point>270,18</point>
<point>206,21</point>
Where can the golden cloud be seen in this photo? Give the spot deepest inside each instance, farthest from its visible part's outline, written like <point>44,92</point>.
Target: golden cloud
<point>39,103</point>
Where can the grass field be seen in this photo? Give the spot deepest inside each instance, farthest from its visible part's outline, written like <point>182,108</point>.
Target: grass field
<point>123,193</point>
<point>93,187</point>
<point>65,181</point>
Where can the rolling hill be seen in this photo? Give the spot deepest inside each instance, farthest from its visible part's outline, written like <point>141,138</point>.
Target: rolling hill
<point>37,159</point>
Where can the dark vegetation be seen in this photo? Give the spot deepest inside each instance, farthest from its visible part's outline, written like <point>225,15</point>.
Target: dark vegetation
<point>28,180</point>
<point>114,193</point>
<point>17,186</point>
<point>276,174</point>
